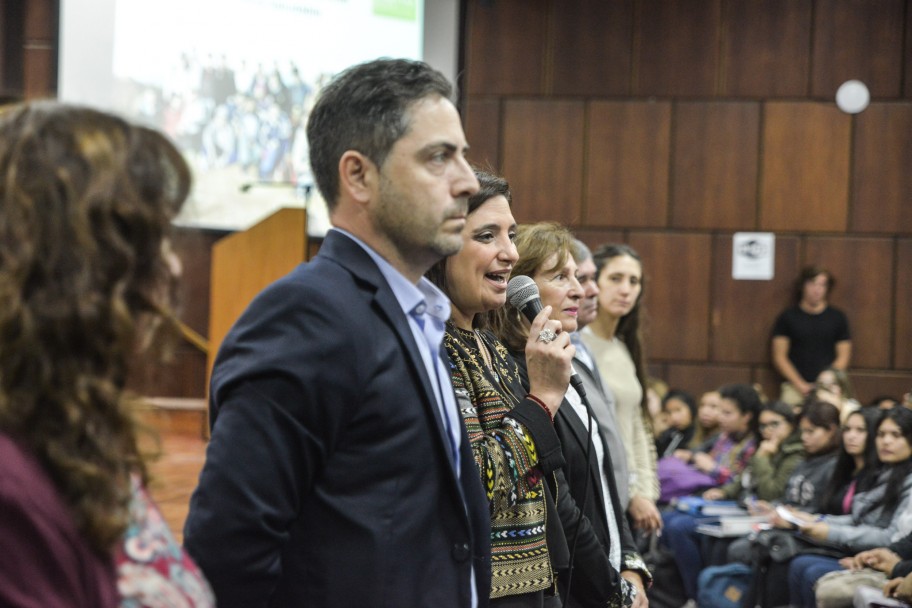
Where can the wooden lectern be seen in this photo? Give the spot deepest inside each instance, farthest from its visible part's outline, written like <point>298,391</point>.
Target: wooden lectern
<point>245,262</point>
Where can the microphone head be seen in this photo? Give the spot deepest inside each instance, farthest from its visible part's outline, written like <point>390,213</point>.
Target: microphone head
<point>520,290</point>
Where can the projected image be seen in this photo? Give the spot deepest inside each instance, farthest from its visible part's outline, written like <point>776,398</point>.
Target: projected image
<point>232,83</point>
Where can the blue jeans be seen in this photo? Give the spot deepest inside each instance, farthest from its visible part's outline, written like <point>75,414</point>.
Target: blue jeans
<point>679,534</point>
<point>804,571</point>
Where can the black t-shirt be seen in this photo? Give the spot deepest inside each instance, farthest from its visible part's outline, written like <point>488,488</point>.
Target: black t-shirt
<point>813,338</point>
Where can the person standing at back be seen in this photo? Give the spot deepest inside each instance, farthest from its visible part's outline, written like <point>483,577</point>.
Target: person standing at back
<point>614,340</point>
<point>339,473</point>
<point>809,336</point>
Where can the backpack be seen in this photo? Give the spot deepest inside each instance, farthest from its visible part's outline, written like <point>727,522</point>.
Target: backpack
<point>723,586</point>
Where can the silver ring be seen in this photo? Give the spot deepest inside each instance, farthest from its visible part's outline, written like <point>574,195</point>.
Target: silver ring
<point>547,335</point>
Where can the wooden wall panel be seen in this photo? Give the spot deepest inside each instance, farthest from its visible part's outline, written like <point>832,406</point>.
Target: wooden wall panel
<point>907,52</point>
<point>859,292</point>
<point>592,46</point>
<point>765,48</point>
<point>595,238</point>
<point>699,379</point>
<point>627,164</point>
<point>543,159</point>
<point>805,167</point>
<point>482,127</point>
<point>676,47</point>
<point>902,305</point>
<point>769,381</point>
<point>868,385</point>
<point>881,176</point>
<point>714,165</point>
<point>506,47</point>
<point>40,48</point>
<point>743,312</point>
<point>676,268</point>
<point>858,39</point>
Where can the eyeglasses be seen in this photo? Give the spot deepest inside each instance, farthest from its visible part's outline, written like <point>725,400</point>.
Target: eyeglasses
<point>770,425</point>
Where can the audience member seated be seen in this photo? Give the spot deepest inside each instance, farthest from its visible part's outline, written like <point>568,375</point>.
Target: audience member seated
<point>833,385</point>
<point>779,452</point>
<point>707,423</point>
<point>874,567</point>
<point>680,410</point>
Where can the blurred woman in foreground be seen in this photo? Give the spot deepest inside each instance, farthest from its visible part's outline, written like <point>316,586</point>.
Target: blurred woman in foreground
<point>86,201</point>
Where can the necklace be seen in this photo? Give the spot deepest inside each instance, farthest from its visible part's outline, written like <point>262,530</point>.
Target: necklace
<point>485,353</point>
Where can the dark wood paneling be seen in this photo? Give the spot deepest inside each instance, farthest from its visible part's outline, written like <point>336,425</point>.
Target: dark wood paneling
<point>869,385</point>
<point>743,312</point>
<point>506,47</point>
<point>881,179</point>
<point>482,126</point>
<point>627,164</point>
<point>183,374</point>
<point>858,39</point>
<point>12,48</point>
<point>593,45</point>
<point>766,47</point>
<point>769,381</point>
<point>543,159</point>
<point>902,305</point>
<point>676,269</point>
<point>595,238</point>
<point>194,248</point>
<point>40,48</point>
<point>907,54</point>
<point>805,167</point>
<point>859,292</point>
<point>40,17</point>
<point>699,379</point>
<point>40,72</point>
<point>676,47</point>
<point>714,159</point>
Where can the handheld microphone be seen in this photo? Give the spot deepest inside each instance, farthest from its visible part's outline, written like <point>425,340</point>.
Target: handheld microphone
<point>523,295</point>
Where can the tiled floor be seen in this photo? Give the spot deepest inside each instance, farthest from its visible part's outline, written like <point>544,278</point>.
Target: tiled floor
<point>176,472</point>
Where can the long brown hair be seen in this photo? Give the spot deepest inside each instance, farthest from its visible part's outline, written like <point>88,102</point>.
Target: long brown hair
<point>86,200</point>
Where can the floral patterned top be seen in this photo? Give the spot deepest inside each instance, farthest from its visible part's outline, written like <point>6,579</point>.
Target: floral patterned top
<point>153,571</point>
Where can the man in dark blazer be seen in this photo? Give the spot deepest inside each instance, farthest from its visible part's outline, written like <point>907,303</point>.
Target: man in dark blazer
<point>339,473</point>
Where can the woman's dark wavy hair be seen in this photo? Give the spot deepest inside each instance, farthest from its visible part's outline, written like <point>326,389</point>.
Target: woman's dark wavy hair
<point>628,329</point>
<point>896,480</point>
<point>86,200</point>
<point>844,470</point>
<point>490,186</point>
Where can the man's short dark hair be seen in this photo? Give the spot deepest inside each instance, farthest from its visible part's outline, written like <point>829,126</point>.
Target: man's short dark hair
<point>365,108</point>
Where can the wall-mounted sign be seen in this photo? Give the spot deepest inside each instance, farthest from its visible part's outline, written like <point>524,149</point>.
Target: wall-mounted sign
<point>753,256</point>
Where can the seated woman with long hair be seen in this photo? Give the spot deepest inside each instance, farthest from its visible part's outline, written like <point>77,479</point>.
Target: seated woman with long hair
<point>880,514</point>
<point>780,451</point>
<point>86,202</point>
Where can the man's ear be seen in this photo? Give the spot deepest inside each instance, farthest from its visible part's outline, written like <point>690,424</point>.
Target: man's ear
<point>357,176</point>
